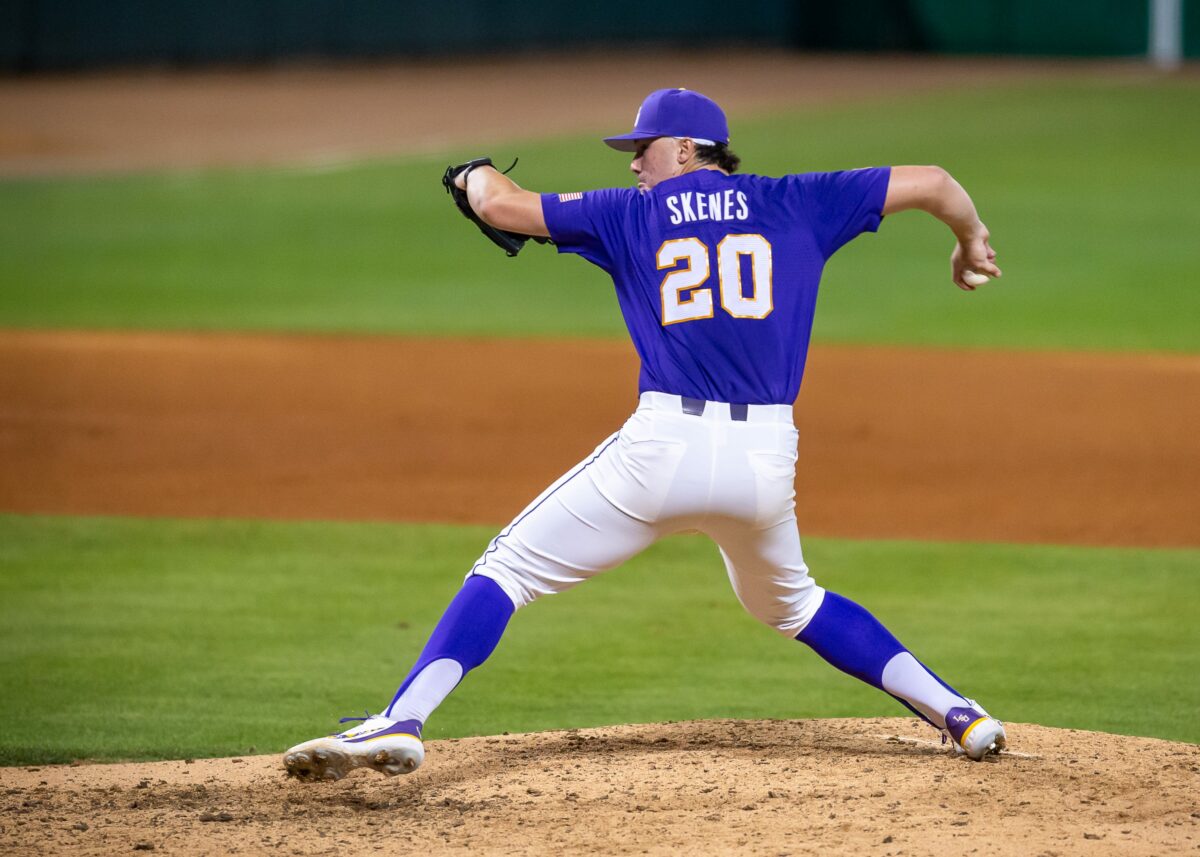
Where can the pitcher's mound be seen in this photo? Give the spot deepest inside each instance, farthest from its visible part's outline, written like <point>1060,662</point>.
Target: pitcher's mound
<point>883,786</point>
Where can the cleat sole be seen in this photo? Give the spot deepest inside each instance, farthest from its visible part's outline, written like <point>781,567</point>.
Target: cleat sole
<point>317,765</point>
<point>993,747</point>
<point>394,762</point>
<point>329,759</point>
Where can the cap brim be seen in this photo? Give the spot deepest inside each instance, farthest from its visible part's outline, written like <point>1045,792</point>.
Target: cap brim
<point>627,142</point>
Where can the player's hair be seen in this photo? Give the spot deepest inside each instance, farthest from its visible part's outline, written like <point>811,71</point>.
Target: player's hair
<point>719,154</point>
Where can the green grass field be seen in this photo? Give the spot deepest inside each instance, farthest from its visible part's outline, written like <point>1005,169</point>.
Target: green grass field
<point>126,638</point>
<point>1088,188</point>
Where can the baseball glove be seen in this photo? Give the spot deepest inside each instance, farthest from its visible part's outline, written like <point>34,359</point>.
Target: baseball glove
<point>510,242</point>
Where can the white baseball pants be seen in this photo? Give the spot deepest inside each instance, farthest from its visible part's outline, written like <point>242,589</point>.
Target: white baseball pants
<point>668,471</point>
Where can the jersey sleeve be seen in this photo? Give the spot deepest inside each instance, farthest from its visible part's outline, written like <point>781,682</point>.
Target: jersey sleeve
<point>589,223</point>
<point>842,205</point>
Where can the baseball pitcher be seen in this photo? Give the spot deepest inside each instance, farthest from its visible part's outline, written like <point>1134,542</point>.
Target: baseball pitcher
<point>716,274</point>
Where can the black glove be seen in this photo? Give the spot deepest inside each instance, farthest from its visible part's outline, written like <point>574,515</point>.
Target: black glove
<point>510,242</point>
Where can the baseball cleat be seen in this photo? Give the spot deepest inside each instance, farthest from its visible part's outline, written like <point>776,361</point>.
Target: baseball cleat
<point>388,746</point>
<point>975,732</point>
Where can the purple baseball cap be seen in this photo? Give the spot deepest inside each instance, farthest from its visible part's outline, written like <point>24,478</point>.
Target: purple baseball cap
<point>675,113</point>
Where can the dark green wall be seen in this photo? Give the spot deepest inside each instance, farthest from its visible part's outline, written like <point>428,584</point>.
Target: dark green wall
<point>42,34</point>
<point>62,34</point>
<point>1032,27</point>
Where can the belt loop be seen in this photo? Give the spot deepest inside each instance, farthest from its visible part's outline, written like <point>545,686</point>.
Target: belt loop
<point>694,407</point>
<point>739,412</point>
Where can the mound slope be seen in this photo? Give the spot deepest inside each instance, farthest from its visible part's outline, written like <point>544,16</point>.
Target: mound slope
<point>880,786</point>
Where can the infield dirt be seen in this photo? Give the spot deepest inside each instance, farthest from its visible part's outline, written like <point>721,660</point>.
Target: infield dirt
<point>895,442</point>
<point>317,115</point>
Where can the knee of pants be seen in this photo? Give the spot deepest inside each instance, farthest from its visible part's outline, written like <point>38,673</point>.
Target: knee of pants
<point>787,612</point>
<point>524,575</point>
<point>516,589</point>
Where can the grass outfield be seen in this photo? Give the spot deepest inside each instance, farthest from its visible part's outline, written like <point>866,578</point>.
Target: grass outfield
<point>134,639</point>
<point>1088,187</point>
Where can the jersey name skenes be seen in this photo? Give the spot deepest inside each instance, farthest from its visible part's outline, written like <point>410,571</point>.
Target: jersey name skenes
<point>690,206</point>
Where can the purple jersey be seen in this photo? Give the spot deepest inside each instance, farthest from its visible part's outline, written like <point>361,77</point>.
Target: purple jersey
<point>717,275</point>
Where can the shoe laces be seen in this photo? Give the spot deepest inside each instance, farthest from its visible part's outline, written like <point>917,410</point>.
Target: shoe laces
<point>367,715</point>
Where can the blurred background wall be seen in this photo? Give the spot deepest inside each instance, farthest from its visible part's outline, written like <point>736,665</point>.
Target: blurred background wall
<point>38,35</point>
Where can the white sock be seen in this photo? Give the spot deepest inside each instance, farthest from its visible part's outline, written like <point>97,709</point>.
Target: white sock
<point>906,678</point>
<point>426,691</point>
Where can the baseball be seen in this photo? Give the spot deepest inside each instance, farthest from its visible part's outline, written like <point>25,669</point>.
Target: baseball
<point>971,278</point>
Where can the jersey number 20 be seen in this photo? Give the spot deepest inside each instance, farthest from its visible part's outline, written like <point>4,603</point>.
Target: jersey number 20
<point>688,280</point>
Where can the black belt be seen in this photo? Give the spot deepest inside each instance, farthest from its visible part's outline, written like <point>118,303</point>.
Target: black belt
<point>695,407</point>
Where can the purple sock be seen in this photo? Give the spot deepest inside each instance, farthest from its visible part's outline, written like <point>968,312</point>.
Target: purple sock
<point>851,639</point>
<point>468,631</point>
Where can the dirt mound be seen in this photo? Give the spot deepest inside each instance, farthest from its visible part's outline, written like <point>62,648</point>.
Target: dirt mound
<point>879,786</point>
